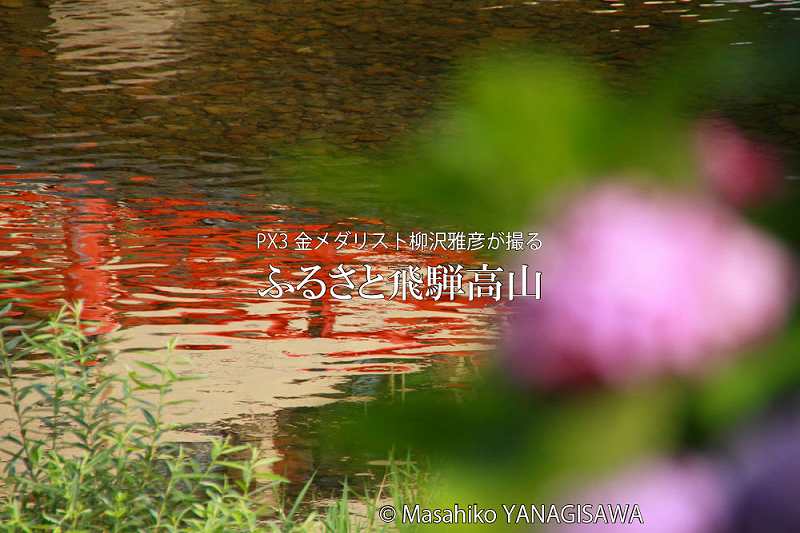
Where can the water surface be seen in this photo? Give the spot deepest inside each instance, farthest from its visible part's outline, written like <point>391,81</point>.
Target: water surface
<point>140,147</point>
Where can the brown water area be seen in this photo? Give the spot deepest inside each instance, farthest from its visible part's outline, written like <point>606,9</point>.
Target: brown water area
<point>139,151</point>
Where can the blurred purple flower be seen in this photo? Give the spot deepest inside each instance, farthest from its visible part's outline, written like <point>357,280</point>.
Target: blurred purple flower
<point>740,170</point>
<point>766,481</point>
<point>673,497</point>
<point>635,283</point>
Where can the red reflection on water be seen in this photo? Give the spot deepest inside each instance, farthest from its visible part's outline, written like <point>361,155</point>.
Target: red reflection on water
<point>165,260</point>
<point>88,247</point>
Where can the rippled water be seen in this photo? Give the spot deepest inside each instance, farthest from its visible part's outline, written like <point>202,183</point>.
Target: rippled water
<point>138,142</point>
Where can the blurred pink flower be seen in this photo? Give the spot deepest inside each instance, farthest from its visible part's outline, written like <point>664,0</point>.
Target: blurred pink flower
<point>740,170</point>
<point>673,497</point>
<point>635,283</point>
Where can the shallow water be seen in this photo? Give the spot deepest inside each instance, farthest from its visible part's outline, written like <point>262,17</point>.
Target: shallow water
<point>139,151</point>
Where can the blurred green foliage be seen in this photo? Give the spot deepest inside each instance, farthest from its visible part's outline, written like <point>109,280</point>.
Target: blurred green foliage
<point>493,442</point>
<point>523,131</point>
<point>523,127</point>
<point>520,131</point>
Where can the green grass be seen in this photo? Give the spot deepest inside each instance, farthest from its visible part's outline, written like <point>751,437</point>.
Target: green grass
<point>86,449</point>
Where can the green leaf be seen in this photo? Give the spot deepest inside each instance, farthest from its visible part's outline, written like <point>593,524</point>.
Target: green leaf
<point>151,420</point>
